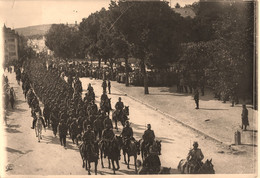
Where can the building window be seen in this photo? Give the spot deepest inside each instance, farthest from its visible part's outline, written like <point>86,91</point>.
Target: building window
<point>12,47</point>
<point>11,40</point>
<point>12,53</point>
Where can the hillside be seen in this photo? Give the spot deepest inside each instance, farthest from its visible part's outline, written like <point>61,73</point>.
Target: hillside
<point>38,30</point>
<point>35,31</point>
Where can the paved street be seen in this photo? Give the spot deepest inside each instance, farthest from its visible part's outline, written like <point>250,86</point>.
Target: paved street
<point>26,156</point>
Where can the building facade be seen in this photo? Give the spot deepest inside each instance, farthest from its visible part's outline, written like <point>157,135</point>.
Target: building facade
<point>10,44</point>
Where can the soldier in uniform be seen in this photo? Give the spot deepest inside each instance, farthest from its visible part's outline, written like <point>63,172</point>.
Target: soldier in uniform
<point>151,164</point>
<point>98,127</point>
<point>148,137</point>
<point>63,128</point>
<point>196,98</point>
<point>127,134</point>
<point>244,116</point>
<point>195,157</point>
<point>109,86</point>
<point>89,139</point>
<point>104,98</point>
<point>104,86</point>
<point>90,88</point>
<point>107,137</point>
<point>108,121</point>
<point>119,106</point>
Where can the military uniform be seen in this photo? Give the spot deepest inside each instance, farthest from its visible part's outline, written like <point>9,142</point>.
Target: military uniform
<point>195,157</point>
<point>108,121</point>
<point>127,134</point>
<point>196,98</point>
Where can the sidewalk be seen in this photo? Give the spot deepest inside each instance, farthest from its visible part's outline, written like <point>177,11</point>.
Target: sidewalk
<point>215,119</point>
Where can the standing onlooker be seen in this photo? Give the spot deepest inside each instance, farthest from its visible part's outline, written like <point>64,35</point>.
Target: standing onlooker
<point>109,86</point>
<point>63,132</point>
<point>104,85</point>
<point>244,117</point>
<point>196,98</point>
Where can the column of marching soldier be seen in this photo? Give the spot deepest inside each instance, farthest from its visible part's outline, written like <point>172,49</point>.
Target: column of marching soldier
<point>66,111</point>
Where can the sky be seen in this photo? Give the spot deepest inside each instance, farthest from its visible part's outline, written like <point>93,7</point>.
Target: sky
<point>22,13</point>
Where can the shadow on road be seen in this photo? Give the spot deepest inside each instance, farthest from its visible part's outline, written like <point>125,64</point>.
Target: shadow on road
<point>117,94</point>
<point>211,109</point>
<point>11,150</point>
<point>10,130</point>
<point>56,140</point>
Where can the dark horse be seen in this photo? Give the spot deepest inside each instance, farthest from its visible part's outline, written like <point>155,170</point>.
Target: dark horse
<point>116,116</point>
<point>133,149</point>
<point>106,106</point>
<point>206,168</point>
<point>89,156</point>
<point>112,151</point>
<point>144,150</point>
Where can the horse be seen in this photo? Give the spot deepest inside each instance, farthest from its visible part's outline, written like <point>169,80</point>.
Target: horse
<point>112,151</point>
<point>144,150</point>
<point>188,168</point>
<point>38,127</point>
<point>88,156</point>
<point>106,106</point>
<point>163,170</point>
<point>133,149</point>
<point>116,116</point>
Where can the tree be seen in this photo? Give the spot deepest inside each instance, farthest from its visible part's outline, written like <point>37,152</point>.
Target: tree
<point>151,30</point>
<point>63,40</point>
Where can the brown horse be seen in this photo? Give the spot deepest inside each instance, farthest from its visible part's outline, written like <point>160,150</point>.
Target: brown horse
<point>88,156</point>
<point>116,116</point>
<point>144,150</point>
<point>106,106</point>
<point>112,151</point>
<point>188,168</point>
<point>133,149</point>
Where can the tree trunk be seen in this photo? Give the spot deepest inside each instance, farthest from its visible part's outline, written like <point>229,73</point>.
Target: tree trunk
<point>146,91</point>
<point>126,73</point>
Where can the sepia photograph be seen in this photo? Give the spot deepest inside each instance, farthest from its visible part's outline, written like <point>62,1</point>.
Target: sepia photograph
<point>129,87</point>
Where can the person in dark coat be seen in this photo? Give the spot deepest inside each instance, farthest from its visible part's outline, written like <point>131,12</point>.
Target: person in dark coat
<point>244,116</point>
<point>109,86</point>
<point>196,98</point>
<point>104,85</point>
<point>62,127</point>
<point>127,134</point>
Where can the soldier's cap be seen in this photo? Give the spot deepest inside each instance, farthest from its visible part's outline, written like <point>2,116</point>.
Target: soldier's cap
<point>148,125</point>
<point>195,143</point>
<point>119,98</point>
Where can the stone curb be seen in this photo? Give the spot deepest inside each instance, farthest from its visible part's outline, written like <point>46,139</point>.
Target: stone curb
<point>170,116</point>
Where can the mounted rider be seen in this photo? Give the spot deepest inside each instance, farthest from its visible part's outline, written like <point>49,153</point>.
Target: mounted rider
<point>107,136</point>
<point>148,138</point>
<point>119,106</point>
<point>152,163</point>
<point>195,157</point>
<point>108,121</point>
<point>89,139</point>
<point>90,88</point>
<point>127,134</point>
<point>104,98</point>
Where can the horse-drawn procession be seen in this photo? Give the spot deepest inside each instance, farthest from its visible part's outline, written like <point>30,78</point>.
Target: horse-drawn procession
<point>97,136</point>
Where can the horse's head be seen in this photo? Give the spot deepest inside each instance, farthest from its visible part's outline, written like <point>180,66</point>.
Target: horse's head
<point>207,167</point>
<point>138,147</point>
<point>126,110</point>
<point>165,170</point>
<point>119,140</point>
<point>159,146</point>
